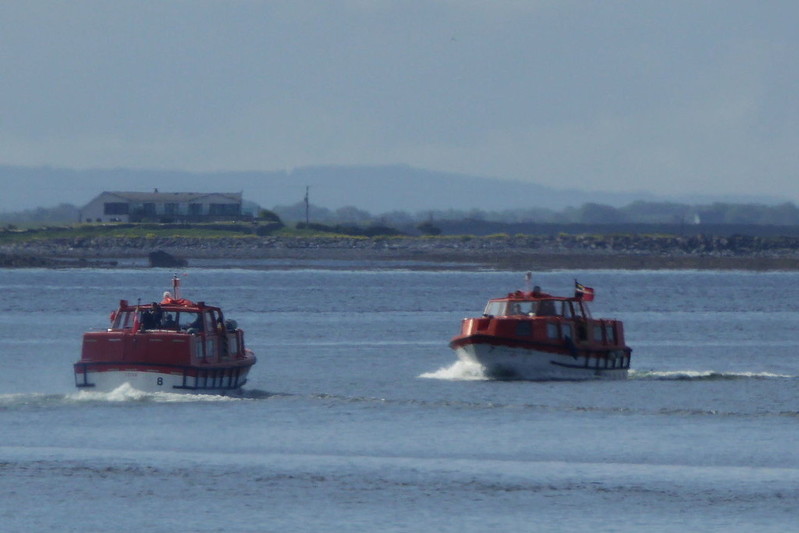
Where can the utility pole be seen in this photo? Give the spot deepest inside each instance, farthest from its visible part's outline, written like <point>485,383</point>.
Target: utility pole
<point>307,220</point>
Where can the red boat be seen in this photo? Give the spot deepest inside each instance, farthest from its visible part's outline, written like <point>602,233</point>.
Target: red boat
<point>536,336</point>
<point>173,346</point>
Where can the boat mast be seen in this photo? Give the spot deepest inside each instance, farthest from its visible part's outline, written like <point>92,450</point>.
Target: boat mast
<point>175,286</point>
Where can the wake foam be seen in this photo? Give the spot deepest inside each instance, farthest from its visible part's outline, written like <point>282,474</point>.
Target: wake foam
<point>703,375</point>
<point>458,371</point>
<point>126,393</point>
<point>122,394</point>
<point>463,371</point>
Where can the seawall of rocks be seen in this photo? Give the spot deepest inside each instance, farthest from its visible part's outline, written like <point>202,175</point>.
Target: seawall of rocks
<point>562,251</point>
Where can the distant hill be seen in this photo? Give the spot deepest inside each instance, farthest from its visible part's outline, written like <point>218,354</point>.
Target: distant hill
<point>377,189</point>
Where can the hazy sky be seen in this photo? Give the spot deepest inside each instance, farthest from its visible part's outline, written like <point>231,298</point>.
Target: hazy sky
<point>667,96</point>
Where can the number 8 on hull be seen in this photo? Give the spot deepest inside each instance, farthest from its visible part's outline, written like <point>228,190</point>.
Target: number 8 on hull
<point>173,346</point>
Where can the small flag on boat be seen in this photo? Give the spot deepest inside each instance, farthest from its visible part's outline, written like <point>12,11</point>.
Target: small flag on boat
<point>582,292</point>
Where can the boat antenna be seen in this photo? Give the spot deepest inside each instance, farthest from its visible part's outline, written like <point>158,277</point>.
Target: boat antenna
<point>528,281</point>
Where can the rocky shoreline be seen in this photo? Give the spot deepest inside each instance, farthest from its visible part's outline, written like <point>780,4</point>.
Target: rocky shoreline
<point>521,252</point>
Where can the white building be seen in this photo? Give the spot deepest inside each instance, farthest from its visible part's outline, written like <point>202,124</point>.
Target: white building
<point>162,207</point>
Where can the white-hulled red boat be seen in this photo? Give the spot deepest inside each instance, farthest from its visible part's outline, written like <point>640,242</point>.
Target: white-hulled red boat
<point>536,336</point>
<point>173,346</point>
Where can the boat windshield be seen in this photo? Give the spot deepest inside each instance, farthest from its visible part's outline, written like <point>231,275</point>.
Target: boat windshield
<point>174,320</point>
<point>528,308</point>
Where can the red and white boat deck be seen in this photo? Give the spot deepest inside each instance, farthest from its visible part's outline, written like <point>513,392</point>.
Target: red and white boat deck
<point>173,346</point>
<point>536,336</point>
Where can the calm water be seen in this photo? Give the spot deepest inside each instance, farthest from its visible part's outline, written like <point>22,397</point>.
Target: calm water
<point>358,418</point>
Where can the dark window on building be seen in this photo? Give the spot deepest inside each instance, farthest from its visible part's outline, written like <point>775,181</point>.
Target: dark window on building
<point>224,209</point>
<point>116,208</point>
<point>195,209</point>
<point>171,209</point>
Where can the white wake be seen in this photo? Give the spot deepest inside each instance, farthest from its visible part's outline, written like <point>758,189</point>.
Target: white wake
<point>458,371</point>
<point>126,393</point>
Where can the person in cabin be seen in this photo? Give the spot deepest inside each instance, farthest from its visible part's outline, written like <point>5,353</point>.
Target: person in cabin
<point>146,320</point>
<point>169,322</point>
<point>157,315</point>
<point>198,323</point>
<point>546,308</point>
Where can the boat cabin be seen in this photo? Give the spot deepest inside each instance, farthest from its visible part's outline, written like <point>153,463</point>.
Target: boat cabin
<point>174,331</point>
<point>541,316</point>
<point>169,316</point>
<point>172,345</point>
<point>535,335</point>
<point>534,304</point>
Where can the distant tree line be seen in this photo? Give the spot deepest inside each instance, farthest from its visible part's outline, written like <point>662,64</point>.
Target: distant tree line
<point>63,213</point>
<point>786,214</point>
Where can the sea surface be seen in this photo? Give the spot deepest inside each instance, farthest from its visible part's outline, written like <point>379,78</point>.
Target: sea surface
<point>357,416</point>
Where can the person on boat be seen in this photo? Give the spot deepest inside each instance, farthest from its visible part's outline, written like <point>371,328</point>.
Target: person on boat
<point>147,320</point>
<point>197,325</point>
<point>546,308</point>
<point>169,322</point>
<point>157,315</point>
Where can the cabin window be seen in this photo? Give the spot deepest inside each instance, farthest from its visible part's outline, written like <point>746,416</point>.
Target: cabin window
<point>582,331</point>
<point>546,308</point>
<point>566,310</point>
<point>169,322</point>
<point>124,320</point>
<point>209,322</point>
<point>552,330</point>
<point>566,329</point>
<point>598,332</point>
<point>524,329</point>
<point>210,348</point>
<point>232,344</point>
<point>495,309</point>
<point>610,333</point>
<point>188,321</point>
<point>521,308</point>
<point>198,348</point>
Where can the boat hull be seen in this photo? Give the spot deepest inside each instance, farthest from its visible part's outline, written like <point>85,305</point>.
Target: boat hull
<point>525,363</point>
<point>161,378</point>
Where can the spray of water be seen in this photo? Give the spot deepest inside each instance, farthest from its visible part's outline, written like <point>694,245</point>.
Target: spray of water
<point>458,371</point>
<point>126,393</point>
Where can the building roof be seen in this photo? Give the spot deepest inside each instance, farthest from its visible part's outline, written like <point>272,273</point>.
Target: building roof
<point>173,197</point>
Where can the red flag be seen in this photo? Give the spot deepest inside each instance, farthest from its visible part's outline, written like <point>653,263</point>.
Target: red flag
<point>582,292</point>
